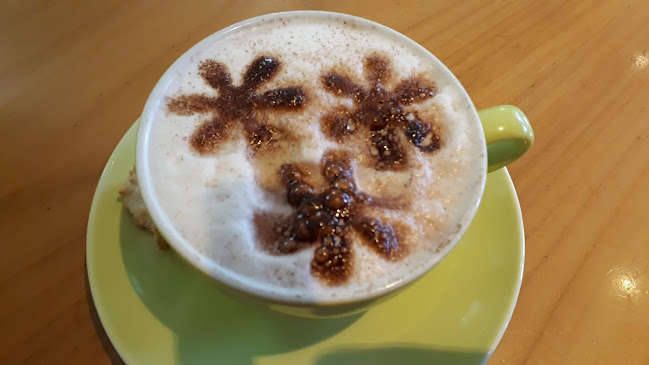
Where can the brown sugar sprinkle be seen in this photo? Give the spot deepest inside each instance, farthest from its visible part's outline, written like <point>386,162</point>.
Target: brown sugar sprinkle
<point>380,113</point>
<point>237,103</point>
<point>325,219</point>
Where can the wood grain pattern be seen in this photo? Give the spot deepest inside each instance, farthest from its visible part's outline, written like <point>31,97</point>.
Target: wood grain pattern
<point>74,75</point>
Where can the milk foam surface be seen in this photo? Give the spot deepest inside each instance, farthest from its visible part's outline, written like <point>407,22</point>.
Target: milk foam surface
<point>208,202</point>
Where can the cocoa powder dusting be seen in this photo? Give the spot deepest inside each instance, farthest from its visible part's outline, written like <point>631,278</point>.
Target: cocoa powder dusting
<point>380,113</point>
<point>337,124</point>
<point>237,103</point>
<point>324,218</point>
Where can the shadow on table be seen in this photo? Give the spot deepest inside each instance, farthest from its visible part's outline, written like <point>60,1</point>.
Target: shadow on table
<point>210,327</point>
<point>401,355</point>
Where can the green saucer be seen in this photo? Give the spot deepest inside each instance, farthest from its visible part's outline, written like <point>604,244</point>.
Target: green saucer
<point>156,310</point>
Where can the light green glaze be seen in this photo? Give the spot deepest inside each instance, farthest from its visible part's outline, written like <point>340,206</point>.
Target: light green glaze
<point>508,134</point>
<point>157,310</point>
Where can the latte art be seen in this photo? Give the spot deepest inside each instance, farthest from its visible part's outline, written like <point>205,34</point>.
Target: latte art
<point>236,104</point>
<point>329,220</point>
<point>309,157</point>
<point>381,113</point>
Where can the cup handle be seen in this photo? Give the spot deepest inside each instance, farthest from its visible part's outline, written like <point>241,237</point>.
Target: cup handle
<point>508,134</point>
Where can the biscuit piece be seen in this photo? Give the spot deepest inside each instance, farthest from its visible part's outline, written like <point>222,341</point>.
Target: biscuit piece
<point>134,203</point>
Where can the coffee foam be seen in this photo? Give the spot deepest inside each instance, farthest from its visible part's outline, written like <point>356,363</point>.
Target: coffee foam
<point>207,202</point>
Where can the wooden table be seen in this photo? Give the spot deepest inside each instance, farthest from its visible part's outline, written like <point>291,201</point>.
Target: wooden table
<point>74,76</point>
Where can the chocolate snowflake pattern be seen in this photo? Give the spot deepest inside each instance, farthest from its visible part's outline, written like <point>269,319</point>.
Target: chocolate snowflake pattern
<point>237,103</point>
<point>327,218</point>
<point>381,113</point>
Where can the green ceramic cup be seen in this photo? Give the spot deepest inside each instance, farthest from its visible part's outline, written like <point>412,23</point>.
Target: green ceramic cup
<point>507,133</point>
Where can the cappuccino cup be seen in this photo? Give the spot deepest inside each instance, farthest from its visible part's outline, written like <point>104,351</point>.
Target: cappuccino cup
<point>316,162</point>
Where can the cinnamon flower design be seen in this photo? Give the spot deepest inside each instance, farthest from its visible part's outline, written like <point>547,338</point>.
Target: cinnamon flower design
<point>237,104</point>
<point>381,113</point>
<point>325,220</point>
